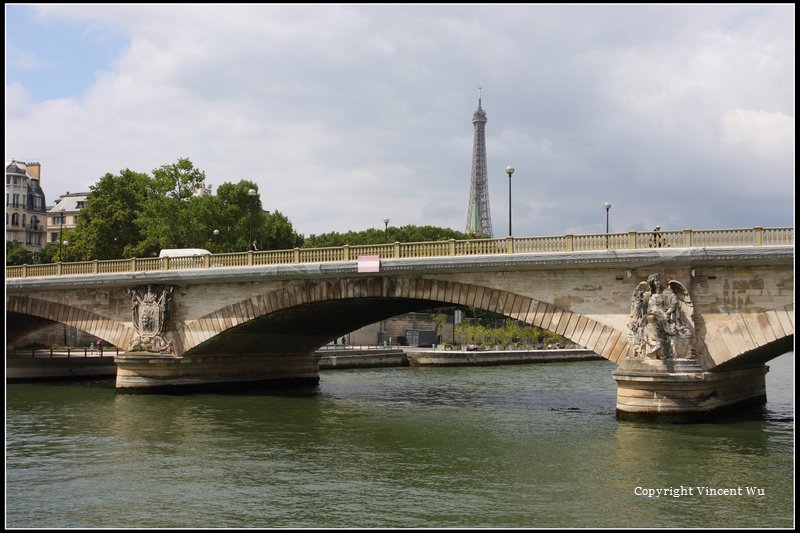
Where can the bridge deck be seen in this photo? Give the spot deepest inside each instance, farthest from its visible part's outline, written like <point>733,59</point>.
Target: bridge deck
<point>572,244</point>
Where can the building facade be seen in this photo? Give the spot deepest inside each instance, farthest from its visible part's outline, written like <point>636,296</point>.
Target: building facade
<point>26,218</point>
<point>63,216</point>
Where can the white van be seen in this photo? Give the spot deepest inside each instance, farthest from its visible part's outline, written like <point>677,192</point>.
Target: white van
<point>183,252</point>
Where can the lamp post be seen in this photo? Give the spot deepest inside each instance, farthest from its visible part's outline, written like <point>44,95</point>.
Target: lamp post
<point>607,205</point>
<point>385,230</point>
<point>60,233</point>
<point>252,194</point>
<point>61,259</point>
<point>66,246</point>
<point>509,171</point>
<point>216,236</point>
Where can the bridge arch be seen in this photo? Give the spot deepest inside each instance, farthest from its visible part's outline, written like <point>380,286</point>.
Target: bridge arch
<point>20,309</point>
<point>251,324</point>
<point>745,339</point>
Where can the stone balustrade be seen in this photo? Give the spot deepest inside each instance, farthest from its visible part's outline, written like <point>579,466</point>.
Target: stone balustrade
<point>687,238</point>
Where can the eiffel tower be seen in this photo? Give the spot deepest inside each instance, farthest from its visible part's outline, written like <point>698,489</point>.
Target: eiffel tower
<point>479,219</point>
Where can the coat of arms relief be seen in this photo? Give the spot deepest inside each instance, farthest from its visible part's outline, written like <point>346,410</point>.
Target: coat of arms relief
<point>150,308</point>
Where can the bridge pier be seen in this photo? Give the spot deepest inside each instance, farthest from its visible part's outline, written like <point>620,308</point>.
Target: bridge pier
<point>679,390</point>
<point>156,373</point>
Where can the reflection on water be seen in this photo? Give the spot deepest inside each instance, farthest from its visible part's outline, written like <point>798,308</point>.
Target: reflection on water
<point>484,447</point>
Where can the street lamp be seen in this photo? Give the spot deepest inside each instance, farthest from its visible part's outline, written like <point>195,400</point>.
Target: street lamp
<point>509,171</point>
<point>66,245</point>
<point>385,230</point>
<point>61,232</point>
<point>216,235</point>
<point>607,205</point>
<point>252,194</point>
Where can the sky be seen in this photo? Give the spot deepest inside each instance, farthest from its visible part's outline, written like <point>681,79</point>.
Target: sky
<point>345,115</point>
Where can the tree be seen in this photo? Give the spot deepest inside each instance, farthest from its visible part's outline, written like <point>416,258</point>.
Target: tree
<point>276,233</point>
<point>441,320</point>
<point>108,226</point>
<point>169,215</point>
<point>408,233</point>
<point>233,213</point>
<point>236,216</point>
<point>17,255</point>
<point>49,254</point>
<point>413,233</point>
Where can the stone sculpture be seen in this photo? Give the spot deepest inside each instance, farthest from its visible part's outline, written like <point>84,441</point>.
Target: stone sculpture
<point>150,310</point>
<point>661,324</point>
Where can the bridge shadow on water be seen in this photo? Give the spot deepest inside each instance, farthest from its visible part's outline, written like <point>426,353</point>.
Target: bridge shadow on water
<point>771,412</point>
<point>289,389</point>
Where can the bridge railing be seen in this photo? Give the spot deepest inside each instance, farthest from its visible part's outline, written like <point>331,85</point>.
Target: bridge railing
<point>563,243</point>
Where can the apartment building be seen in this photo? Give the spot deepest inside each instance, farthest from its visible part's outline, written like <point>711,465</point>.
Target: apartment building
<point>63,215</point>
<point>26,218</point>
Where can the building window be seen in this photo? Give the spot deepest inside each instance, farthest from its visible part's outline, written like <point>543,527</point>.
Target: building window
<point>15,219</point>
<point>54,237</point>
<point>15,202</point>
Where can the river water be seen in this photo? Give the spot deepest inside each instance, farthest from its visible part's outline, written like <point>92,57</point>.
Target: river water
<point>516,446</point>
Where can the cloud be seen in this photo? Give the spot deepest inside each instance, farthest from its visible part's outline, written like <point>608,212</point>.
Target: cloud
<point>765,135</point>
<point>21,59</point>
<point>347,114</point>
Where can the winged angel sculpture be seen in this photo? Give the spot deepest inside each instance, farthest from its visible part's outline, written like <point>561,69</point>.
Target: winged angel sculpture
<point>661,325</point>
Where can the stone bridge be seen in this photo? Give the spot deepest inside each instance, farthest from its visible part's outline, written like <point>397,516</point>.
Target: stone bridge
<point>249,324</point>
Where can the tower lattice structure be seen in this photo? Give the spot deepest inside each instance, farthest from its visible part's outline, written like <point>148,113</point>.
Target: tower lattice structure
<point>479,218</point>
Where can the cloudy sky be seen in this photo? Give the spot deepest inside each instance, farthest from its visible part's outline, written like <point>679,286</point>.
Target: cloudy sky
<point>345,115</point>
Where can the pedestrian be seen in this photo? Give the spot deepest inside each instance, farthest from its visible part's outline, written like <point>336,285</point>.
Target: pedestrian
<point>100,346</point>
<point>656,239</point>
<point>254,246</point>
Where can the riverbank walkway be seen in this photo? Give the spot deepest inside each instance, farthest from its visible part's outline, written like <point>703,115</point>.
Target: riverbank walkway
<point>76,363</point>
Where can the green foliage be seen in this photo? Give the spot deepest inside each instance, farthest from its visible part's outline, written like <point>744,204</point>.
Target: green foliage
<point>49,254</point>
<point>276,233</point>
<point>107,226</point>
<point>440,319</point>
<point>551,338</point>
<point>135,215</point>
<point>233,213</point>
<point>17,255</point>
<point>408,233</point>
<point>169,214</point>
<point>509,332</point>
<point>239,219</point>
